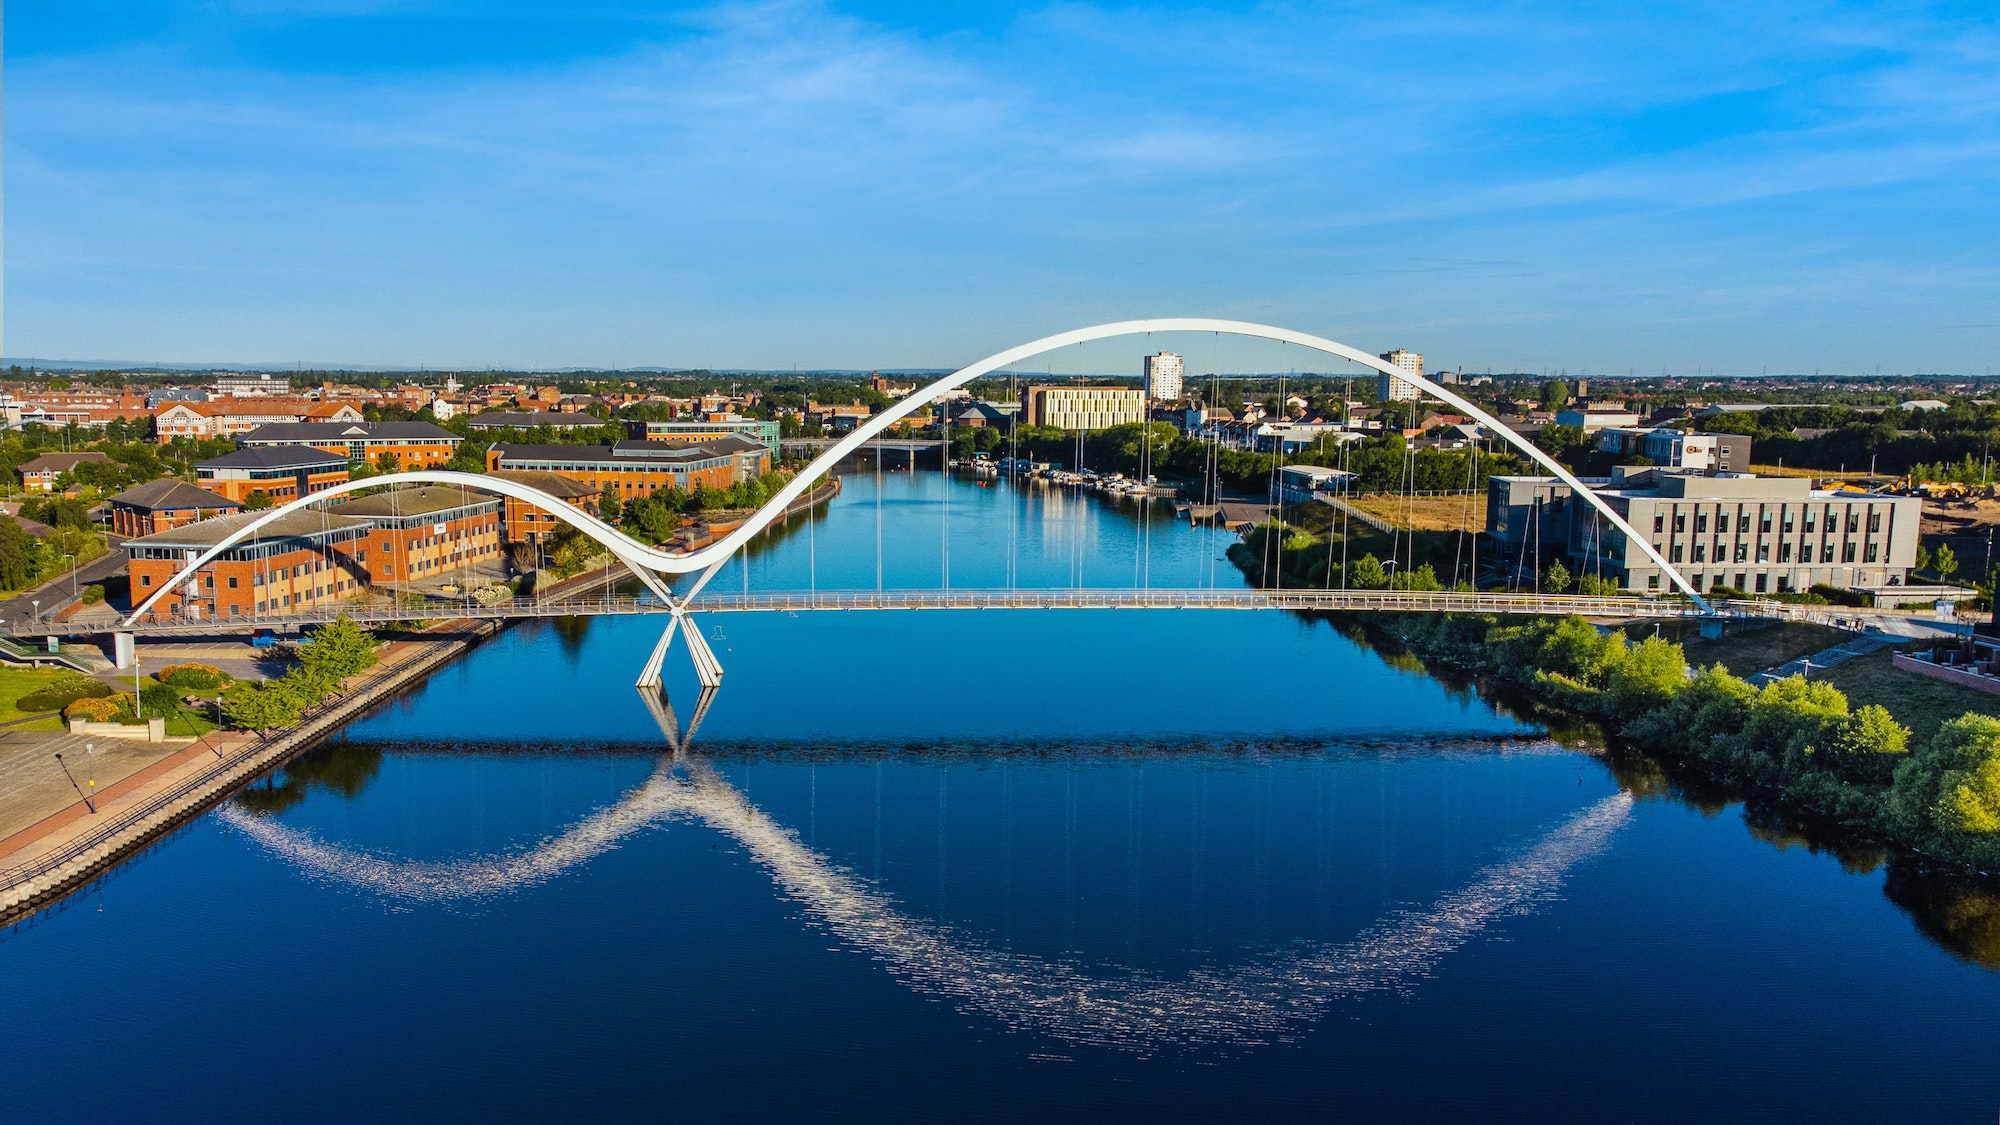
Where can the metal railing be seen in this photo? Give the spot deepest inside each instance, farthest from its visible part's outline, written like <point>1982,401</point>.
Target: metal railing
<point>796,601</point>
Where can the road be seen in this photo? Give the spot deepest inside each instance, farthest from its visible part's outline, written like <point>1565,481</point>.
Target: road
<point>21,609</point>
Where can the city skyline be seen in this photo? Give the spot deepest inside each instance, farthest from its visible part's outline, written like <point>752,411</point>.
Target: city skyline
<point>852,187</point>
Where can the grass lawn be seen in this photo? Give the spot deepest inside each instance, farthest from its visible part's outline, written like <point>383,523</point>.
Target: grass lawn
<point>16,682</point>
<point>1754,650</point>
<point>1918,702</point>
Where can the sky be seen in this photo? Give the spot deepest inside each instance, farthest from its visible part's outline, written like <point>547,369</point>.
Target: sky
<point>1585,187</point>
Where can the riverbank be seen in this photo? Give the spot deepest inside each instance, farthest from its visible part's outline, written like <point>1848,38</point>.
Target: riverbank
<point>43,862</point>
<point>1794,744</point>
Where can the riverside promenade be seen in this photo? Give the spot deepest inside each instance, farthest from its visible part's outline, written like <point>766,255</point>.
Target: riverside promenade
<point>63,851</point>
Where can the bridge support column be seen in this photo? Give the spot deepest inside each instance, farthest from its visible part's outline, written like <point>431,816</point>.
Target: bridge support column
<point>706,667</point>
<point>121,651</point>
<point>649,676</point>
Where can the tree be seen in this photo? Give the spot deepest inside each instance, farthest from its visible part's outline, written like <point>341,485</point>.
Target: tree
<point>608,503</point>
<point>1555,394</point>
<point>338,650</point>
<point>1653,672</point>
<point>1923,561</point>
<point>14,554</point>
<point>1556,579</point>
<point>1423,578</point>
<point>1558,440</point>
<point>259,707</point>
<point>1944,562</point>
<point>389,462</point>
<point>1366,573</point>
<point>1954,786</point>
<point>257,501</point>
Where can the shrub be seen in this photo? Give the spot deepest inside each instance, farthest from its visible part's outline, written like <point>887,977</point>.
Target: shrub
<point>95,710</point>
<point>63,692</point>
<point>201,677</point>
<point>93,594</point>
<point>1838,596</point>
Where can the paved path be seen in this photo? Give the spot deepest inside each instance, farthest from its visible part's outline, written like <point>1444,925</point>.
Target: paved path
<point>33,785</point>
<point>49,857</point>
<point>1826,658</point>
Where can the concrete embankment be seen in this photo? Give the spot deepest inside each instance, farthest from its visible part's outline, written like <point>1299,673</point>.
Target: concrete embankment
<point>47,861</point>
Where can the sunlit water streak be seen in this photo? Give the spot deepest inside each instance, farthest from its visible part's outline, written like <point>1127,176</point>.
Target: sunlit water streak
<point>1258,1001</point>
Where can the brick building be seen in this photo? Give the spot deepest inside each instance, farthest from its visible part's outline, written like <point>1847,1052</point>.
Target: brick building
<point>229,417</point>
<point>417,445</point>
<point>426,533</point>
<point>166,503</point>
<point>299,560</point>
<point>40,474</point>
<point>530,523</point>
<point>282,472</point>
<point>641,468</point>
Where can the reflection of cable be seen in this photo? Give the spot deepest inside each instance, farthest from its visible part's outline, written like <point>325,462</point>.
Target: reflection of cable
<point>1248,1003</point>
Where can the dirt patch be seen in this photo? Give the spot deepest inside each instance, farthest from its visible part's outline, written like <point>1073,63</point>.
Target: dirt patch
<point>1425,513</point>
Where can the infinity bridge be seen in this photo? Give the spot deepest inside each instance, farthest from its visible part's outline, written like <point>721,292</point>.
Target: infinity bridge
<point>801,601</point>
<point>651,564</point>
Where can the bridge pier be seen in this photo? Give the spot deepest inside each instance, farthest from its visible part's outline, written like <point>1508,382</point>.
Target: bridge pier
<point>121,651</point>
<point>706,667</point>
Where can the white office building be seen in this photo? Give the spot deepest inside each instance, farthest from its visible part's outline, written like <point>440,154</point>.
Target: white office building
<point>1388,388</point>
<point>1163,377</point>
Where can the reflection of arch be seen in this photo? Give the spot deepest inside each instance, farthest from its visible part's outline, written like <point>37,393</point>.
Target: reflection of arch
<point>642,558</point>
<point>1246,1003</point>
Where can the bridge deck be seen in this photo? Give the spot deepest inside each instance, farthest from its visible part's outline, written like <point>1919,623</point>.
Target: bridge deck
<point>804,601</point>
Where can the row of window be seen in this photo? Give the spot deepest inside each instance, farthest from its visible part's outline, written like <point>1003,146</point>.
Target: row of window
<point>1805,552</point>
<point>1764,522</point>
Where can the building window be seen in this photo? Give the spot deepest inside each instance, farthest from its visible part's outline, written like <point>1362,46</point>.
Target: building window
<point>1722,523</point>
<point>1760,583</point>
<point>1659,522</point>
<point>1701,521</point>
<point>1743,552</point>
<point>1677,552</point>
<point>1788,521</point>
<point>1785,551</point>
<point>1805,552</point>
<point>1874,550</point>
<point>1809,520</point>
<point>1763,552</point>
<point>1680,522</point>
<point>1764,524</point>
<point>1847,552</point>
<point>1853,521</point>
<point>145,580</point>
<point>1700,552</point>
<point>1874,524</point>
<point>232,581</point>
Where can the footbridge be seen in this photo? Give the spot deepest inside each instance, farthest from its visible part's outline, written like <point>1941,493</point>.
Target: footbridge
<point>651,564</point>
<point>802,601</point>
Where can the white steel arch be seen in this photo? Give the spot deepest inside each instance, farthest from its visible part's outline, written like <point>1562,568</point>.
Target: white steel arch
<point>643,558</point>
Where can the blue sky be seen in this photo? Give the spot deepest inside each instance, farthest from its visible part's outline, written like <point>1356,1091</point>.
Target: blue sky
<point>1599,187</point>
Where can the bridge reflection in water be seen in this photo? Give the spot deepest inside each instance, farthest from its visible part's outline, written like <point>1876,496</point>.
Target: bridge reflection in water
<point>1262,999</point>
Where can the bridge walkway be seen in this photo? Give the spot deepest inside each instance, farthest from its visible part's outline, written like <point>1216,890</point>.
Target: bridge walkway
<point>808,601</point>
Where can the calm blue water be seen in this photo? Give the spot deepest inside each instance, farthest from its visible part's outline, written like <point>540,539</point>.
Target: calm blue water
<point>1184,865</point>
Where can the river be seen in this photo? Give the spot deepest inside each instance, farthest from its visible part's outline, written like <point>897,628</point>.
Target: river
<point>1184,864</point>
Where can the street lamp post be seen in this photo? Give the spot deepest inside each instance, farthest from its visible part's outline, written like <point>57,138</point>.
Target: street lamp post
<point>72,575</point>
